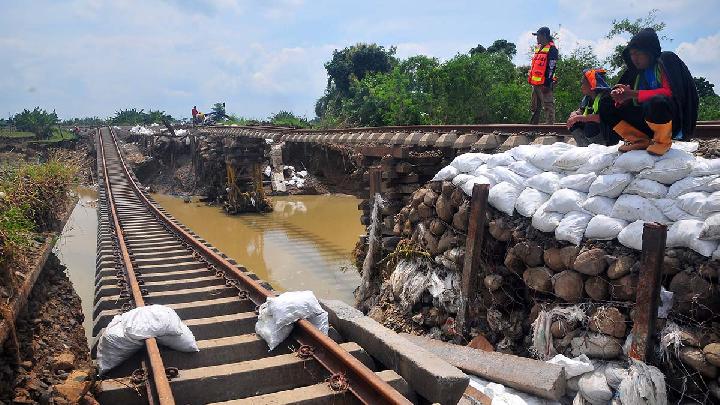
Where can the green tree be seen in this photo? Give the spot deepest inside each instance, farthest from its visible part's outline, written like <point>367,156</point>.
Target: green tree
<point>287,119</point>
<point>704,87</point>
<point>632,27</point>
<point>504,47</point>
<point>218,110</point>
<point>37,121</point>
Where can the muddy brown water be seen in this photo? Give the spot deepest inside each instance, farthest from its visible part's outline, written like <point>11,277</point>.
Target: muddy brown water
<point>304,244</point>
<point>76,249</point>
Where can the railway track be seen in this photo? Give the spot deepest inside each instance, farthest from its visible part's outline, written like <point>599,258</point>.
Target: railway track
<point>146,257</point>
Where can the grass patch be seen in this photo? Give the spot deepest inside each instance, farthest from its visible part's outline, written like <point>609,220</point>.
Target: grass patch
<point>58,135</point>
<point>6,133</point>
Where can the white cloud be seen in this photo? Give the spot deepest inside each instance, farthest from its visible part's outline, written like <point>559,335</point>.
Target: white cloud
<point>702,57</point>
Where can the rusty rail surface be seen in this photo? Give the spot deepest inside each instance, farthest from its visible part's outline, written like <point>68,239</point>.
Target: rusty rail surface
<point>363,383</point>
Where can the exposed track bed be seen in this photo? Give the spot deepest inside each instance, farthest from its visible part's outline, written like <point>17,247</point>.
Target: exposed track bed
<point>156,260</point>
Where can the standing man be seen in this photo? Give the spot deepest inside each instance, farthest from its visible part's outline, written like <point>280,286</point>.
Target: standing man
<point>542,76</point>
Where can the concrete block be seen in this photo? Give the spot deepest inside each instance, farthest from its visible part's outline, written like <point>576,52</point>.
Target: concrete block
<point>466,141</point>
<point>528,375</point>
<point>513,141</point>
<point>446,140</point>
<point>386,137</point>
<point>545,140</point>
<point>398,138</point>
<point>488,142</point>
<point>429,375</point>
<point>413,139</point>
<point>428,139</point>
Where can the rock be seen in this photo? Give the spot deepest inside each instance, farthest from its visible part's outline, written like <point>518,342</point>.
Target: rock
<point>709,270</point>
<point>447,241</point>
<point>407,228</point>
<point>377,314</point>
<point>74,387</point>
<point>671,266</point>
<point>513,263</point>
<point>712,354</point>
<point>414,216</point>
<point>27,365</point>
<point>460,219</point>
<point>609,321</point>
<point>435,186</point>
<point>480,342</point>
<point>437,227</point>
<point>63,361</point>
<point>529,252</point>
<point>622,266</point>
<point>592,262</point>
<point>435,317</point>
<point>425,211</point>
<point>431,243</point>
<point>493,282</point>
<point>694,295</point>
<point>560,328</point>
<point>397,229</point>
<point>596,345</point>
<point>568,285</point>
<point>430,198</point>
<point>456,254</point>
<point>553,260</point>
<point>594,388</point>
<point>597,288</point>
<point>457,198</point>
<point>539,279</point>
<point>418,197</point>
<point>568,255</point>
<point>499,230</point>
<point>624,288</point>
<point>696,359</point>
<point>444,209</point>
<point>447,188</point>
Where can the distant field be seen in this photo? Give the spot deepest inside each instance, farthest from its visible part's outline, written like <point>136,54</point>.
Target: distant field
<point>4,133</point>
<point>57,136</point>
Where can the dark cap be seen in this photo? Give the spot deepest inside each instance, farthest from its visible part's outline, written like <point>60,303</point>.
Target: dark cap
<point>543,31</point>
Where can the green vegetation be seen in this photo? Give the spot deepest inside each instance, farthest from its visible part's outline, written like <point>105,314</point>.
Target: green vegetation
<point>32,197</point>
<point>7,133</point>
<point>37,121</point>
<point>288,119</point>
<point>139,117</point>
<point>87,121</point>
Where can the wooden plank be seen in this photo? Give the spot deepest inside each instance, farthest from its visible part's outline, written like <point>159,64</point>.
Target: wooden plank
<point>401,152</point>
<point>648,291</point>
<point>473,252</point>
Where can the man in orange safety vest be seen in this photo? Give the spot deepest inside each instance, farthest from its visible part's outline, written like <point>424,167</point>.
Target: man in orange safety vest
<point>542,76</point>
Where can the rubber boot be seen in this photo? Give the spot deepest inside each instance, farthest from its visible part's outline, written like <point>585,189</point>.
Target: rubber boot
<point>635,139</point>
<point>662,138</point>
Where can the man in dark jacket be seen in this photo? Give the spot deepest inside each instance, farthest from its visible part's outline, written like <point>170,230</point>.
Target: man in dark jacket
<point>654,98</point>
<point>542,76</point>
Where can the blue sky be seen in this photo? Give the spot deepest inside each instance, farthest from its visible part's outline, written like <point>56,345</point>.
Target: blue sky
<point>92,57</point>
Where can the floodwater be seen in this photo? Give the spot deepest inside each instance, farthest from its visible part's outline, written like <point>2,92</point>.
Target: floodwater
<point>304,244</point>
<point>76,249</point>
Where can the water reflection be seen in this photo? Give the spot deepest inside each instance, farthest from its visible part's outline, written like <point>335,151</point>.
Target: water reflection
<point>305,243</point>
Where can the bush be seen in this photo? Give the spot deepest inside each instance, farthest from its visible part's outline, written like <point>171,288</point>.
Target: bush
<point>37,121</point>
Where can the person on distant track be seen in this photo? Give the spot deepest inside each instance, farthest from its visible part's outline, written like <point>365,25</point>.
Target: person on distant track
<point>542,76</point>
<point>194,114</point>
<point>654,98</point>
<point>584,123</point>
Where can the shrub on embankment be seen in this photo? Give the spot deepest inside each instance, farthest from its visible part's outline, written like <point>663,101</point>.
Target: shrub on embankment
<point>32,199</point>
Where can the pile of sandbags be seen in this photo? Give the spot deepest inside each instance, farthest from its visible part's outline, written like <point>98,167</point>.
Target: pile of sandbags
<point>597,193</point>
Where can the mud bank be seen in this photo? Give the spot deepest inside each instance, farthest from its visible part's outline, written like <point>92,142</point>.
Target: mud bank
<point>52,363</point>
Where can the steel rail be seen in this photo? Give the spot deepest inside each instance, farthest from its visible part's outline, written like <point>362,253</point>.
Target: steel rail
<point>367,387</point>
<point>162,384</point>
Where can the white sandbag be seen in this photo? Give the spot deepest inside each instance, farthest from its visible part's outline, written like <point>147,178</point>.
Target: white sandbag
<point>548,182</point>
<point>693,203</point>
<point>705,167</point>
<point>644,385</point>
<point>573,158</point>
<point>594,388</point>
<point>713,185</point>
<point>572,227</point>
<point>599,205</point>
<point>668,171</point>
<point>632,208</point>
<point>446,173</point>
<point>468,162</point>
<point>711,228</point>
<point>631,235</point>
<point>602,227</point>
<point>598,163</point>
<point>277,316</point>
<point>646,188</point>
<point>675,153</point>
<point>670,209</point>
<point>689,184</point>
<point>545,221</point>
<point>579,182</point>
<point>503,197</point>
<point>690,147</point>
<point>500,159</point>
<point>127,332</point>
<point>575,366</point>
<point>712,204</point>
<point>467,187</point>
<point>525,169</point>
<point>503,174</point>
<point>523,152</point>
<point>610,185</point>
<point>460,179</point>
<point>484,171</point>
<point>615,373</point>
<point>685,233</point>
<point>529,201</point>
<point>634,161</point>
<point>546,155</point>
<point>566,200</point>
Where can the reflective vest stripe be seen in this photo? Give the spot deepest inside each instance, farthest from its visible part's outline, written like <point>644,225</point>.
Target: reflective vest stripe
<point>538,66</point>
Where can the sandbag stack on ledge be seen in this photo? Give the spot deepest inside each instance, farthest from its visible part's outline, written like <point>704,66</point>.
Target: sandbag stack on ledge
<point>562,255</point>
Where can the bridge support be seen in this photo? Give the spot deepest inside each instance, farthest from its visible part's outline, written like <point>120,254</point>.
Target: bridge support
<point>244,160</point>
